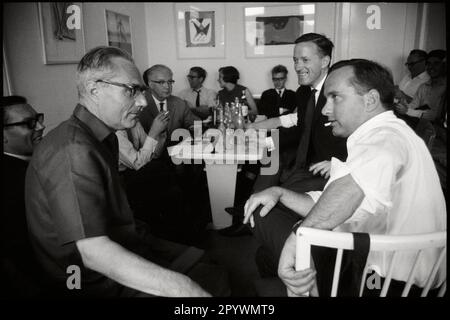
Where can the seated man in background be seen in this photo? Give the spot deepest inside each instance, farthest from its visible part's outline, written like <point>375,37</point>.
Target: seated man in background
<point>388,185</point>
<point>199,98</point>
<point>77,212</point>
<point>407,87</point>
<point>185,219</point>
<point>22,131</point>
<point>279,100</point>
<point>429,99</point>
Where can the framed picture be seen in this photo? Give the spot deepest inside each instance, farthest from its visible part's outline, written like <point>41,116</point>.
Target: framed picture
<point>271,31</point>
<point>118,31</point>
<point>200,30</point>
<point>62,35</point>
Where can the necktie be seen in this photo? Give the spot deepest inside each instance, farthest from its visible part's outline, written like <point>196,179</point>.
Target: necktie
<point>197,101</point>
<point>279,93</point>
<point>302,151</point>
<point>161,106</point>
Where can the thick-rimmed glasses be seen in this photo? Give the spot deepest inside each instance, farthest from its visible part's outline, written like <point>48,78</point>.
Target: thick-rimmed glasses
<point>132,89</point>
<point>162,82</point>
<point>30,123</point>
<point>278,79</point>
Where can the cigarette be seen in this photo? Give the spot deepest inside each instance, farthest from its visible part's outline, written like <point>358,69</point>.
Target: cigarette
<point>327,124</point>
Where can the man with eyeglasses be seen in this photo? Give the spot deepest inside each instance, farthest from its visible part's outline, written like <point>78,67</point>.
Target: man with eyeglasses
<point>407,87</point>
<point>22,131</point>
<point>279,100</point>
<point>159,79</point>
<point>81,227</point>
<point>198,97</point>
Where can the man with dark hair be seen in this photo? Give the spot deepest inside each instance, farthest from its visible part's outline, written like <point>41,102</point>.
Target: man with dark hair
<point>306,144</point>
<point>387,185</point>
<point>199,98</point>
<point>22,131</point>
<point>407,87</point>
<point>80,223</point>
<point>279,100</point>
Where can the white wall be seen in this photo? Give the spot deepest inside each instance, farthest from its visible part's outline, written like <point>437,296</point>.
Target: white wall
<point>51,88</point>
<point>255,72</point>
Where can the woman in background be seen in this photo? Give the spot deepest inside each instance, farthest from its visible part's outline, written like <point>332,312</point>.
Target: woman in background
<point>231,90</point>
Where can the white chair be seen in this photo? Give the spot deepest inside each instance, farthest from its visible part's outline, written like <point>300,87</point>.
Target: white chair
<point>344,241</point>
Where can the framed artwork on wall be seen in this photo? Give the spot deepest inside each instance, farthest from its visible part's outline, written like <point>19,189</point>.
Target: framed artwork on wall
<point>270,31</point>
<point>61,26</point>
<point>118,31</point>
<point>200,30</point>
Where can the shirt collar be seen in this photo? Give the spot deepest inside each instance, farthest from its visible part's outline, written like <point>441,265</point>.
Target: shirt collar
<point>195,90</point>
<point>319,86</point>
<point>422,75</point>
<point>157,102</point>
<point>24,158</point>
<point>379,120</point>
<point>98,127</point>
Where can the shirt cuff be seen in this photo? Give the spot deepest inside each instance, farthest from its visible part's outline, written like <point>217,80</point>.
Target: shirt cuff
<point>315,195</point>
<point>150,144</point>
<point>289,120</point>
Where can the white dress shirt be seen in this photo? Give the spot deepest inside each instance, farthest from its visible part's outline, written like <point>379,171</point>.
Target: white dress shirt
<point>410,85</point>
<point>207,97</point>
<point>157,102</point>
<point>402,192</point>
<point>432,95</point>
<point>135,154</point>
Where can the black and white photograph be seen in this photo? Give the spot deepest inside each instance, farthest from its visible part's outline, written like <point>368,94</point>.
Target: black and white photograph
<point>243,154</point>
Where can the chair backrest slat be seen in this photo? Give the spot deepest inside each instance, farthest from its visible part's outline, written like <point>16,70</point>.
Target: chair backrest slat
<point>337,271</point>
<point>411,275</point>
<point>387,280</point>
<point>433,273</point>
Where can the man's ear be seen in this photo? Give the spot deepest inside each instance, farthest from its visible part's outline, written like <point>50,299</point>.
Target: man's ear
<point>92,90</point>
<point>371,100</point>
<point>325,62</point>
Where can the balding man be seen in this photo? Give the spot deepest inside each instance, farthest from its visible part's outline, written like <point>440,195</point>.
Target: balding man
<point>82,229</point>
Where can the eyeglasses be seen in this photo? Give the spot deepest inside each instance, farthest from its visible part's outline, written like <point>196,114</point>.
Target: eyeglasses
<point>162,82</point>
<point>31,123</point>
<point>278,79</point>
<point>410,64</point>
<point>133,90</point>
<point>192,77</point>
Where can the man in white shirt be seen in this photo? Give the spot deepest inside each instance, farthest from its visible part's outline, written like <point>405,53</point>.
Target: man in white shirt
<point>198,97</point>
<point>407,87</point>
<point>387,185</point>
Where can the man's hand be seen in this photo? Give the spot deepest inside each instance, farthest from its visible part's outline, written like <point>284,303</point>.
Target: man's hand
<point>298,283</point>
<point>401,108</point>
<point>323,168</point>
<point>268,198</point>
<point>159,125</point>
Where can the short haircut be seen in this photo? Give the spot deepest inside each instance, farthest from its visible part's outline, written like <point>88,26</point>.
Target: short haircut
<point>370,75</point>
<point>199,71</point>
<point>230,74</point>
<point>10,101</point>
<point>323,43</point>
<point>419,53</point>
<point>279,69</point>
<point>147,73</point>
<point>439,53</point>
<point>97,63</point>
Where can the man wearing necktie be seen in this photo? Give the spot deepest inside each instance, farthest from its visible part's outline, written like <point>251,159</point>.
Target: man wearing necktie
<point>312,145</point>
<point>278,100</point>
<point>198,97</point>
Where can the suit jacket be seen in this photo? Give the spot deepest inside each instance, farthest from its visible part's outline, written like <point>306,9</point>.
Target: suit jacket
<point>180,114</point>
<point>269,103</point>
<point>323,145</point>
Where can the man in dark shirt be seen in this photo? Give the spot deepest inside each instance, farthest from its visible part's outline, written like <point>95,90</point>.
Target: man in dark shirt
<point>278,100</point>
<point>22,131</point>
<point>80,223</point>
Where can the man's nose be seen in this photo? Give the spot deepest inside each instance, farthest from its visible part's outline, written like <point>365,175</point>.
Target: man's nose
<point>141,101</point>
<point>326,110</point>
